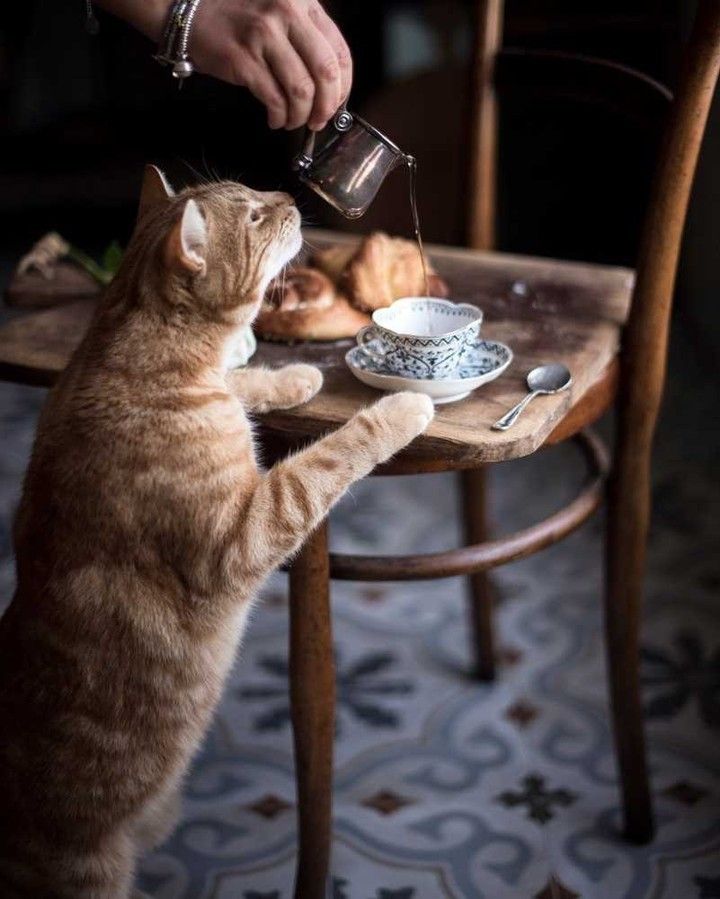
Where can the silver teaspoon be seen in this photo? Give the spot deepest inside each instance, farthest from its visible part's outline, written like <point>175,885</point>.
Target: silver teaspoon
<point>543,380</point>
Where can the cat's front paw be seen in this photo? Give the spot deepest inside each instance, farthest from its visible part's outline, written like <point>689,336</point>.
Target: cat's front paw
<point>297,384</point>
<point>406,414</point>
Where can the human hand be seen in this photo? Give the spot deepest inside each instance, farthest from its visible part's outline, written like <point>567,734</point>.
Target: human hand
<point>288,53</point>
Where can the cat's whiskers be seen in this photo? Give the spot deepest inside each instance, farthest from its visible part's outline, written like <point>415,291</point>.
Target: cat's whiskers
<point>309,244</point>
<point>283,278</point>
<point>203,179</point>
<point>213,177</point>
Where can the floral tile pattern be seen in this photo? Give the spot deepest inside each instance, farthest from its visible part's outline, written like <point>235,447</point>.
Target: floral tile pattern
<point>685,792</point>
<point>361,688</point>
<point>386,802</point>
<point>446,788</point>
<point>683,675</point>
<point>539,801</point>
<point>521,713</point>
<point>555,890</point>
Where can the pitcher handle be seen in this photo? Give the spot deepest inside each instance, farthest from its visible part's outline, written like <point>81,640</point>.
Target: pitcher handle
<point>304,159</point>
<point>342,120</point>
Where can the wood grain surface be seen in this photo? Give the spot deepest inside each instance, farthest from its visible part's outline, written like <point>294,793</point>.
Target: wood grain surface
<point>544,309</point>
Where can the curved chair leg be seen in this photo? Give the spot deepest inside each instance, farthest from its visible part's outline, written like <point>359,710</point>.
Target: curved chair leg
<point>312,697</point>
<point>627,525</point>
<point>480,590</point>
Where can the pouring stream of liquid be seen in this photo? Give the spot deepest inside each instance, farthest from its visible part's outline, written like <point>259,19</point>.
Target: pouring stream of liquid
<point>412,167</point>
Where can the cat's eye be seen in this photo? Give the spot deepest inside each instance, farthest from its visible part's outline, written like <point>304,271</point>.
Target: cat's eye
<point>255,216</point>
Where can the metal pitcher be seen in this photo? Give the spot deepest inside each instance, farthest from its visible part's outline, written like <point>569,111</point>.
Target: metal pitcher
<point>347,162</point>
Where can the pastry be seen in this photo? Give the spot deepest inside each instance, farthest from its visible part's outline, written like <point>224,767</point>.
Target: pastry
<point>384,269</point>
<point>334,260</point>
<point>303,287</point>
<point>304,305</point>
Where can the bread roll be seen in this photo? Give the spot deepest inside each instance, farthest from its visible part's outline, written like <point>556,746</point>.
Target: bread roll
<point>300,288</point>
<point>304,305</point>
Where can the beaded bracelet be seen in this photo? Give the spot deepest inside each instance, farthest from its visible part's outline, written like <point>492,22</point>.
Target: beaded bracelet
<point>173,46</point>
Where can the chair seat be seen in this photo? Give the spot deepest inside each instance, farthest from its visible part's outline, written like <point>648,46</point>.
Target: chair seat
<point>545,310</point>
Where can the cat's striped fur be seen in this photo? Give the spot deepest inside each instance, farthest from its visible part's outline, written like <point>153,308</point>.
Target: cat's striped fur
<point>144,531</point>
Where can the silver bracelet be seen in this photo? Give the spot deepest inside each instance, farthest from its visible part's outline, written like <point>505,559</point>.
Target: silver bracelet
<point>175,40</point>
<point>92,26</point>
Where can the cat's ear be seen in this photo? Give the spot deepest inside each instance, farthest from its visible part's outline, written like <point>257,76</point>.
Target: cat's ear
<point>186,246</point>
<point>155,190</point>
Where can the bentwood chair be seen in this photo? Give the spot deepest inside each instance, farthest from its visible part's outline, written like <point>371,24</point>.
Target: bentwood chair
<point>608,325</point>
<point>633,383</point>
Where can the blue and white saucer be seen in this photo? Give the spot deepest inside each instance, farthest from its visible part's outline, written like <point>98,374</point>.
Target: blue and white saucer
<point>483,362</point>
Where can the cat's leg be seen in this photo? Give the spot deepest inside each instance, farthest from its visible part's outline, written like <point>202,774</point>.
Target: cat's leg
<point>297,493</point>
<point>158,819</point>
<point>64,871</point>
<point>263,389</point>
<point>108,874</point>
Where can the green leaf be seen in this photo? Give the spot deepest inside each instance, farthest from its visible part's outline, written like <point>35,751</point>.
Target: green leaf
<point>104,273</point>
<point>90,266</point>
<point>112,257</point>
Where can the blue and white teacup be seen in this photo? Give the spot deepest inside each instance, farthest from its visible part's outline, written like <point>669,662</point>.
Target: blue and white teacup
<point>421,337</point>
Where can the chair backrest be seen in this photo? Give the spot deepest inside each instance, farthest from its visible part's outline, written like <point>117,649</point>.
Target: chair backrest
<point>510,72</point>
<point>560,117</point>
<point>627,90</point>
<point>645,343</point>
<point>646,337</point>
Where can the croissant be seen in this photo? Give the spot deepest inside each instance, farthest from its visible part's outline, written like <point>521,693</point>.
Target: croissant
<point>333,260</point>
<point>384,269</point>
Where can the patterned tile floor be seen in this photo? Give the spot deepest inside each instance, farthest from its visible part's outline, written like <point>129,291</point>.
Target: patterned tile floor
<point>446,788</point>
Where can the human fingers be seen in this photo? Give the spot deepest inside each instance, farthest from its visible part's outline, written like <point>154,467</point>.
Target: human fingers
<point>334,37</point>
<point>292,75</point>
<point>260,81</point>
<point>321,62</point>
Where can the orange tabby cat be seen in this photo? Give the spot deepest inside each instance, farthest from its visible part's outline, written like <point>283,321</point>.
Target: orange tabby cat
<point>144,532</point>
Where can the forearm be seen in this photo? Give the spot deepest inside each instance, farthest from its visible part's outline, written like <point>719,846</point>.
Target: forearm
<point>289,53</point>
<point>147,16</point>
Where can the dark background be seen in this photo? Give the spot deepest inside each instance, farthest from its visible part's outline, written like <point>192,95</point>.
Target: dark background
<point>79,116</point>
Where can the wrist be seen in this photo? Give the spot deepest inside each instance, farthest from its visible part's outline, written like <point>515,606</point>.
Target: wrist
<point>147,16</point>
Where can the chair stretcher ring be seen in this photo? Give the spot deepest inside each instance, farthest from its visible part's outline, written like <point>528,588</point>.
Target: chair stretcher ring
<point>491,553</point>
